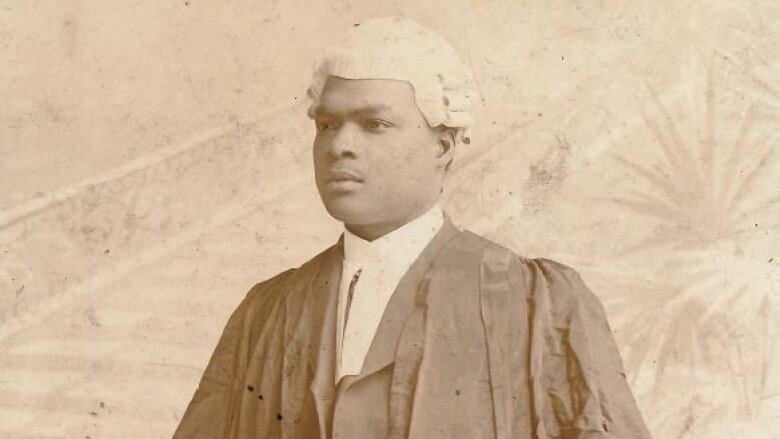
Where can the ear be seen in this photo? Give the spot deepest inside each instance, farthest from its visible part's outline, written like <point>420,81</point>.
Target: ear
<point>446,151</point>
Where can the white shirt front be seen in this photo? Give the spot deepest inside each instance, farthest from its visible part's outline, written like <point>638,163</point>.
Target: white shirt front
<point>383,262</point>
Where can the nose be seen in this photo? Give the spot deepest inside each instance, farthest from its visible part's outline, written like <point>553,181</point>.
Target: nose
<point>344,142</point>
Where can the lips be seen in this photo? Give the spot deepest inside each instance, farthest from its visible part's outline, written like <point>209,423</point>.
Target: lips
<point>343,181</point>
<point>344,176</point>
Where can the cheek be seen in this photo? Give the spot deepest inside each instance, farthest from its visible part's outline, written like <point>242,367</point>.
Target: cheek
<point>402,160</point>
<point>403,172</point>
<point>419,160</point>
<point>318,155</point>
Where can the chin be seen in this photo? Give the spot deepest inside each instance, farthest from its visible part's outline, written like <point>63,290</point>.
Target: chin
<point>348,211</point>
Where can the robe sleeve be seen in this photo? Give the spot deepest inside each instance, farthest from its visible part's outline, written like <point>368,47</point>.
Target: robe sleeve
<point>579,372</point>
<point>209,415</point>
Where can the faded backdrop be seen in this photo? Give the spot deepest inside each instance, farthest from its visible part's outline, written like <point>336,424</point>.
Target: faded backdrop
<point>155,163</point>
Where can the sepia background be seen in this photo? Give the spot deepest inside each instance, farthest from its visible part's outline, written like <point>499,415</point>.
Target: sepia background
<point>155,163</point>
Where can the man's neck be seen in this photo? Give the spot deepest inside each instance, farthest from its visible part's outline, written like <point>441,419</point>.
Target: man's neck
<point>370,232</point>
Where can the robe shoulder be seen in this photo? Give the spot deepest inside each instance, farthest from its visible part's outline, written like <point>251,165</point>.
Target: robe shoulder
<point>563,284</point>
<point>556,289</point>
<point>567,291</point>
<point>579,379</point>
<point>269,293</point>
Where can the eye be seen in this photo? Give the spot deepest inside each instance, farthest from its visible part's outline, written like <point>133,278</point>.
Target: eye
<point>377,124</point>
<point>324,124</point>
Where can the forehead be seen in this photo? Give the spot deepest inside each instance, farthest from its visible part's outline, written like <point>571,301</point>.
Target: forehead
<point>341,95</point>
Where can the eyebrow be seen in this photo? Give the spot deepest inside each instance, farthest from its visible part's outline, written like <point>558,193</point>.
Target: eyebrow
<point>362,111</point>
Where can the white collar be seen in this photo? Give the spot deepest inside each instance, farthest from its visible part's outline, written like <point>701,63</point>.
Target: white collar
<point>401,245</point>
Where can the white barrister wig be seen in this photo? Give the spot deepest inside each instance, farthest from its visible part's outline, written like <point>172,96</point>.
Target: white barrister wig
<point>398,48</point>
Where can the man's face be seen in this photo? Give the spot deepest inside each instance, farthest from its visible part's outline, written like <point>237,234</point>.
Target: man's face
<point>376,159</point>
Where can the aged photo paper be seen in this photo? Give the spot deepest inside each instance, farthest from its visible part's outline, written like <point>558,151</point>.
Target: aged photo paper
<point>585,245</point>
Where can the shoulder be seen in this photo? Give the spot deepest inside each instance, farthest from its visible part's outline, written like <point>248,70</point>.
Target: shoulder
<point>559,291</point>
<point>476,245</point>
<point>561,284</point>
<point>280,287</point>
<point>556,275</point>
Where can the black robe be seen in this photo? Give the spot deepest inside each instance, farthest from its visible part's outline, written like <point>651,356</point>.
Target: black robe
<point>554,369</point>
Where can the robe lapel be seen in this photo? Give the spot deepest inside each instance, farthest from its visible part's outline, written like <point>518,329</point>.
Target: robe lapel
<point>382,351</point>
<point>322,357</point>
<point>324,291</point>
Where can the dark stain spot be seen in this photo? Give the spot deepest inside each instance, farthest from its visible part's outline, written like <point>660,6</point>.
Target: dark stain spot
<point>102,404</point>
<point>250,388</point>
<point>92,318</point>
<point>546,175</point>
<point>278,416</point>
<point>457,392</point>
<point>70,30</point>
<point>771,259</point>
<point>538,114</point>
<point>93,413</point>
<point>260,396</point>
<point>107,251</point>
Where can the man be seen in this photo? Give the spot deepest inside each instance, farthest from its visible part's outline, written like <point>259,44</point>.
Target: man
<point>408,326</point>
